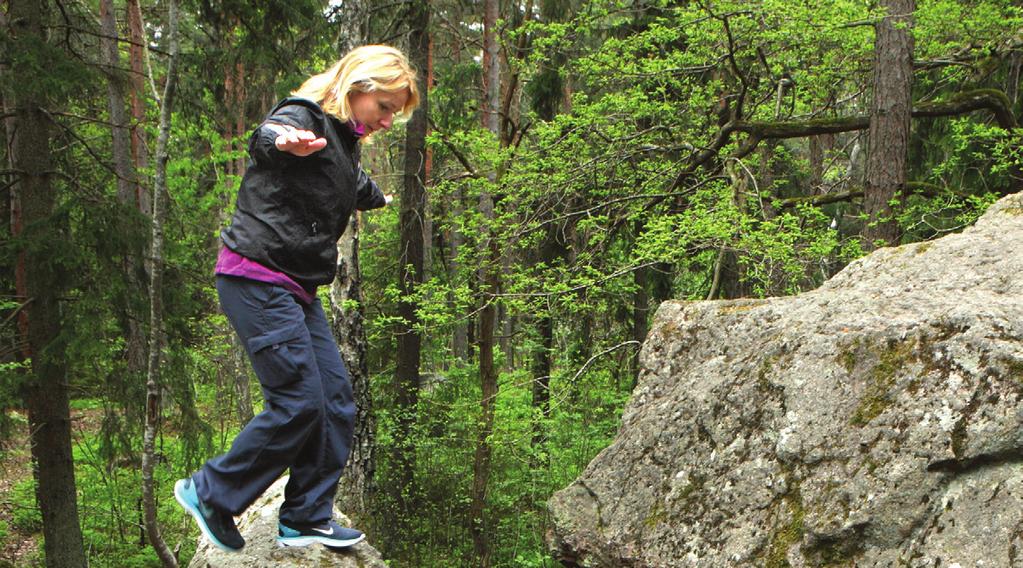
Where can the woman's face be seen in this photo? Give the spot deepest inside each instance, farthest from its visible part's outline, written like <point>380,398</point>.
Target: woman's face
<point>376,109</point>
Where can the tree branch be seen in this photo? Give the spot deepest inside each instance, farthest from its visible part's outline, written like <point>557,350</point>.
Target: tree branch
<point>980,99</point>
<point>915,187</point>
<point>458,154</point>
<point>573,289</point>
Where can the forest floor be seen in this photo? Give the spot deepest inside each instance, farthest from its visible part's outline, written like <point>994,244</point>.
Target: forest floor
<point>16,547</point>
<point>20,532</point>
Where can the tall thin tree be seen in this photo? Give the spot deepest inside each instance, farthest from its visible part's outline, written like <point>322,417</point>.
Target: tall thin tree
<point>489,285</point>
<point>130,306</point>
<point>153,387</point>
<point>546,91</point>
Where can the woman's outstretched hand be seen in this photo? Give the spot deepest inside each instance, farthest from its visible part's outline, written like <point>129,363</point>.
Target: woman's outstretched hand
<point>295,141</point>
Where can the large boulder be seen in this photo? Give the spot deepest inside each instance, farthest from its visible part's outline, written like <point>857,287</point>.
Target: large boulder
<point>875,421</point>
<point>259,527</point>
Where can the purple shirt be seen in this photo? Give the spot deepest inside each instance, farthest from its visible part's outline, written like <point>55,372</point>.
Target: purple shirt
<point>230,263</point>
<point>357,127</point>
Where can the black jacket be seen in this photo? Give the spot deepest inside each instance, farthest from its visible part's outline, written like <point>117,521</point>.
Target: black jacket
<point>291,210</point>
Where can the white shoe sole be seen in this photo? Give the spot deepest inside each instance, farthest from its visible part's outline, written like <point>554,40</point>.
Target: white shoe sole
<point>328,542</point>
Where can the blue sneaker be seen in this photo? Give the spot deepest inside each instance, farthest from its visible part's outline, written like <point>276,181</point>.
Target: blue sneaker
<point>328,534</point>
<point>217,526</point>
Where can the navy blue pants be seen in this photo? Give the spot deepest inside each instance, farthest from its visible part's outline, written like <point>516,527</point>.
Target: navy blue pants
<point>308,415</point>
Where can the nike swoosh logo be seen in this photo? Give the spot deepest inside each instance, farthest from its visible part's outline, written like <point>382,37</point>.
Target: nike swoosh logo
<point>327,532</point>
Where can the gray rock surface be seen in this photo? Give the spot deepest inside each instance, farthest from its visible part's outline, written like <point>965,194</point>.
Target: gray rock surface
<point>875,421</point>
<point>259,527</point>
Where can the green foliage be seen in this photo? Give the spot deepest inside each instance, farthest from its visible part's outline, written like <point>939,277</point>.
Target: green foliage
<point>5,532</point>
<point>942,26</point>
<point>25,516</point>
<point>603,197</point>
<point>109,497</point>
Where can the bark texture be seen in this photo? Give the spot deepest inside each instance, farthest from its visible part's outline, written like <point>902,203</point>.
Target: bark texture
<point>358,484</point>
<point>411,263</point>
<point>153,386</point>
<point>136,55</point>
<point>890,114</point>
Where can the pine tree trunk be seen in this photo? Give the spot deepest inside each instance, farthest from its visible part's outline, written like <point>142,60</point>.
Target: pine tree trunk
<point>488,399</point>
<point>506,323</point>
<point>228,135</point>
<point>889,122</point>
<point>153,387</point>
<point>550,250</point>
<point>1015,74</point>
<point>411,264</point>
<point>136,53</point>
<point>1013,82</point>
<point>460,338</point>
<point>581,337</point>
<point>241,101</point>
<point>7,110</point>
<point>39,280</point>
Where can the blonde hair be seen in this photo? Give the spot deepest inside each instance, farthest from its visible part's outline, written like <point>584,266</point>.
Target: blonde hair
<point>364,69</point>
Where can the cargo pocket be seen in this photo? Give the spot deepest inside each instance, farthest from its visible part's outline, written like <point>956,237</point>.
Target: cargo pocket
<point>276,355</point>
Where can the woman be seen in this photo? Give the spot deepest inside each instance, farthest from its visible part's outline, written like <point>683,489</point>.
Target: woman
<point>301,186</point>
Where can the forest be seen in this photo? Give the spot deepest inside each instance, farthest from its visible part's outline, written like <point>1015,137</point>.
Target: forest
<point>572,164</point>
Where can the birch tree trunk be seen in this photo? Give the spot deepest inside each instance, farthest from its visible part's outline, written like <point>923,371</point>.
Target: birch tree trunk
<point>357,485</point>
<point>153,387</point>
